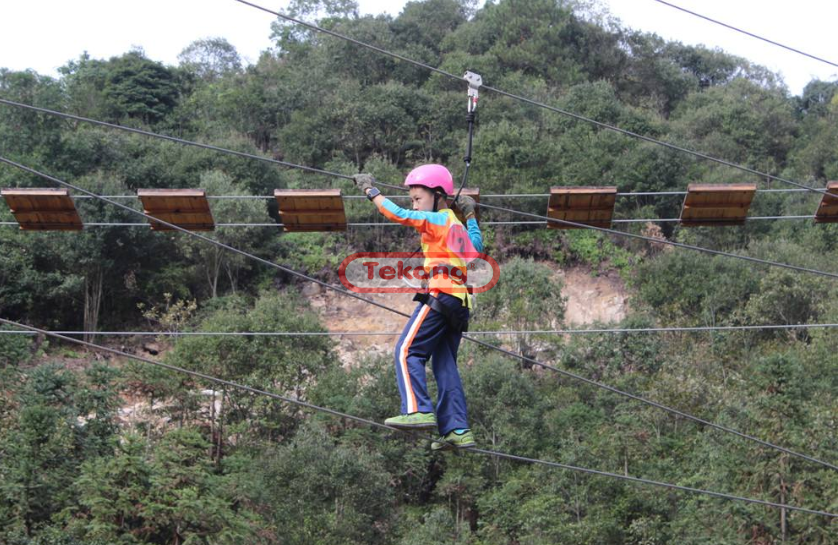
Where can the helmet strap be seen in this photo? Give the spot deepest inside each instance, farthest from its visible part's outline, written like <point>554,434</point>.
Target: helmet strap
<point>437,196</point>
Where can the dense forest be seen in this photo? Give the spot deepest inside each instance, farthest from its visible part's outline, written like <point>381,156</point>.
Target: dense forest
<point>208,464</point>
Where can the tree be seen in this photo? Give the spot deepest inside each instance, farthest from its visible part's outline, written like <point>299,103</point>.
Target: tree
<point>741,122</point>
<point>15,349</point>
<point>165,494</point>
<point>428,23</point>
<point>47,443</point>
<point>211,59</point>
<point>139,88</point>
<point>186,504</point>
<point>26,133</point>
<point>127,86</point>
<point>694,289</point>
<point>212,261</point>
<point>816,97</point>
<point>110,492</point>
<point>105,257</point>
<point>318,491</point>
<point>277,363</point>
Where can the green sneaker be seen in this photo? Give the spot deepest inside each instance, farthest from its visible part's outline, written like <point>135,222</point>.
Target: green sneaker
<point>413,421</point>
<point>453,440</point>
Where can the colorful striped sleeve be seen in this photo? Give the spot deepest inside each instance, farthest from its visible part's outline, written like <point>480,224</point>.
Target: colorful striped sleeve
<point>474,234</point>
<point>413,218</point>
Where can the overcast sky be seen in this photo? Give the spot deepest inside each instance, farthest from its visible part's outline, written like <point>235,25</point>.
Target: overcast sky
<point>45,34</point>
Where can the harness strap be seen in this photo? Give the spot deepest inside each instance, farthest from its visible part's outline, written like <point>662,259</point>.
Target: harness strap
<point>454,321</point>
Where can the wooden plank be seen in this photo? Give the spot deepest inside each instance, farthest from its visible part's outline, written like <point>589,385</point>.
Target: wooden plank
<point>35,216</point>
<point>162,200</point>
<point>587,205</point>
<point>40,209</point>
<point>25,204</point>
<point>155,226</point>
<point>309,199</point>
<point>311,223</point>
<point>717,204</point>
<point>827,211</point>
<point>309,210</point>
<point>186,208</point>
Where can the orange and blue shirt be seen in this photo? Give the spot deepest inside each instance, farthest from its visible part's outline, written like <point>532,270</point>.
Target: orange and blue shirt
<point>444,242</point>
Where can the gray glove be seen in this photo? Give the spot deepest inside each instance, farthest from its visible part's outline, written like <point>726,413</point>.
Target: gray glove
<point>364,182</point>
<point>466,205</point>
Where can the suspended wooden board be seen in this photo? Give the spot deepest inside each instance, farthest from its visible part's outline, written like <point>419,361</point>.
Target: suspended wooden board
<point>717,204</point>
<point>306,210</point>
<point>472,192</point>
<point>186,208</point>
<point>828,208</point>
<point>587,205</point>
<point>43,209</point>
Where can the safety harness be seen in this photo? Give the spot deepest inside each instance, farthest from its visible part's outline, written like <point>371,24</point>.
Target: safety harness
<point>454,322</point>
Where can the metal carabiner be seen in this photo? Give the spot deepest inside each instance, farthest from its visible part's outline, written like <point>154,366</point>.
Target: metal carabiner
<point>474,83</point>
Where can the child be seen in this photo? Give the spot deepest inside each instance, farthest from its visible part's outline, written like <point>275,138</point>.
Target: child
<point>436,327</point>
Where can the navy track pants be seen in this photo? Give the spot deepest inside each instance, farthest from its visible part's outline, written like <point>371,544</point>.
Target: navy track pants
<point>427,335</point>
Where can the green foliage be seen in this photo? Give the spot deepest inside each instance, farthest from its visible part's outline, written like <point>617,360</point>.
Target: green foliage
<point>595,249</point>
<point>170,495</point>
<point>316,491</point>
<point>742,122</point>
<point>49,437</point>
<point>312,253</point>
<point>15,349</point>
<point>278,363</point>
<point>694,288</point>
<point>211,59</point>
<point>213,263</point>
<point>195,463</point>
<point>437,525</point>
<point>110,491</point>
<point>127,86</point>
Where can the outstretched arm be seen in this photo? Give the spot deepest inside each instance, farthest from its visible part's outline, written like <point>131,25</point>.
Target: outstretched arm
<point>414,218</point>
<point>393,212</point>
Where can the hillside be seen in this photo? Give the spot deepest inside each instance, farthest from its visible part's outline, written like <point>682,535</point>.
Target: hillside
<point>99,449</point>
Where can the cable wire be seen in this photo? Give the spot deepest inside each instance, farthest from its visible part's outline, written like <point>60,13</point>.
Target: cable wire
<point>745,32</point>
<point>183,141</point>
<point>472,339</point>
<point>336,174</point>
<point>390,224</point>
<point>536,103</point>
<point>169,138</point>
<point>663,241</point>
<point>373,423</point>
<point>594,331</point>
<point>486,196</point>
<point>199,236</point>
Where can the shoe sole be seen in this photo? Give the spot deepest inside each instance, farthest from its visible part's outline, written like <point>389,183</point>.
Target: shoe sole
<point>449,446</point>
<point>412,426</point>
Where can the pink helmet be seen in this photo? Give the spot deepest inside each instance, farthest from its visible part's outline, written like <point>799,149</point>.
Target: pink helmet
<point>432,177</point>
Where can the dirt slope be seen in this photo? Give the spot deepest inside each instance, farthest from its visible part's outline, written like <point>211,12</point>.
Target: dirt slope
<point>589,299</point>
